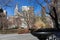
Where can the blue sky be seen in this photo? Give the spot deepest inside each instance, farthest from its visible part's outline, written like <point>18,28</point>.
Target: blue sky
<point>10,10</point>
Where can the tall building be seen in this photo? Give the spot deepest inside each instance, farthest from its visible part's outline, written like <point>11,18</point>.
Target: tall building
<point>11,22</point>
<point>17,17</point>
<point>16,10</point>
<point>14,21</point>
<point>28,13</point>
<point>43,14</point>
<point>3,19</point>
<point>25,8</point>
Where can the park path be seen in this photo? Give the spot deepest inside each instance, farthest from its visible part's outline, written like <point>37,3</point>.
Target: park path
<point>17,37</point>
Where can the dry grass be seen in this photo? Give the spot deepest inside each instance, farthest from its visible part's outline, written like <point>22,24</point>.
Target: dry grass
<point>8,31</point>
<point>22,31</point>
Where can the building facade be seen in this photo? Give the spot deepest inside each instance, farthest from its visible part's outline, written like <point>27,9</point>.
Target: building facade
<point>28,13</point>
<point>3,19</point>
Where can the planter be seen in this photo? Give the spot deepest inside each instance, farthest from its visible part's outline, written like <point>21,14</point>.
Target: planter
<point>43,34</point>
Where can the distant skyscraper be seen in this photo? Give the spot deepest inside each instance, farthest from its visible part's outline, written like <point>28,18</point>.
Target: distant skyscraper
<point>16,10</point>
<point>25,8</point>
<point>28,12</point>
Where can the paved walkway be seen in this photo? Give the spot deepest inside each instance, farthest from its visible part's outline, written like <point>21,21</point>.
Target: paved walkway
<point>17,37</point>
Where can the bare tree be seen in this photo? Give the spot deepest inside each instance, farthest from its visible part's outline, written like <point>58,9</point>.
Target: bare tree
<point>52,10</point>
<point>53,13</point>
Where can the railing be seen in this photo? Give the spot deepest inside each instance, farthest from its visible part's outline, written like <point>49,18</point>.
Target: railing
<point>52,37</point>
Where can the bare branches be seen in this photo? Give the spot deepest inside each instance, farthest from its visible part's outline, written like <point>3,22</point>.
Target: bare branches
<point>46,1</point>
<point>5,3</point>
<point>39,3</point>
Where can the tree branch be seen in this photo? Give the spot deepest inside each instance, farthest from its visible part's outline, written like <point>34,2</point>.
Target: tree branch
<point>50,15</point>
<point>39,3</point>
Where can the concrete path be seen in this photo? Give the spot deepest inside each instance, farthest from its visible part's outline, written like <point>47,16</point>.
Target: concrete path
<point>17,37</point>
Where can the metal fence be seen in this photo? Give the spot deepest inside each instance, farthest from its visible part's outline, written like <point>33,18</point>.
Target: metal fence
<point>53,37</point>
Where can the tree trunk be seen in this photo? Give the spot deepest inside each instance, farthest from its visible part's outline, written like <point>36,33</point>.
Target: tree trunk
<point>56,18</point>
